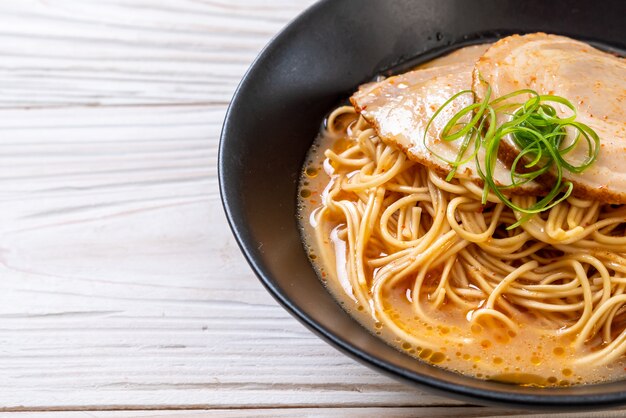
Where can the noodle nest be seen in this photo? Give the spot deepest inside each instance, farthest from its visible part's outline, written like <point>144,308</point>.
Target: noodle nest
<point>562,272</point>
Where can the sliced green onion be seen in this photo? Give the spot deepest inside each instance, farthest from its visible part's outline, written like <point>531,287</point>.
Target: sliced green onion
<point>536,129</point>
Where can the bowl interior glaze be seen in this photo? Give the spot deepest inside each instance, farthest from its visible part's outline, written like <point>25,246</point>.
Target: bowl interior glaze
<point>319,59</point>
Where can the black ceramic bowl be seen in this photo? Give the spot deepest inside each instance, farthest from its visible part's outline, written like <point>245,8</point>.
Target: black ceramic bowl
<point>316,61</point>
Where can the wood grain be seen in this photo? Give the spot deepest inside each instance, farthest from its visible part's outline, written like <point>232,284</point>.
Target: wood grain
<point>93,52</point>
<point>120,284</point>
<point>387,412</point>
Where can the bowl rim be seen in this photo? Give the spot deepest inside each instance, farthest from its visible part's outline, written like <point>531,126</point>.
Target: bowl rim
<point>441,387</point>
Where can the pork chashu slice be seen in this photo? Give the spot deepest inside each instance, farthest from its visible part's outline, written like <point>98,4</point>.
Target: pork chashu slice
<point>400,107</point>
<point>593,80</point>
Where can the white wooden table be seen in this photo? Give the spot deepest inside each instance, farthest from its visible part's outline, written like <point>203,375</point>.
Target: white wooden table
<point>122,292</point>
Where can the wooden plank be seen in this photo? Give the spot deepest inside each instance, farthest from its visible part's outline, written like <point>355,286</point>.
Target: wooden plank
<point>122,286</point>
<point>388,412</point>
<point>75,52</point>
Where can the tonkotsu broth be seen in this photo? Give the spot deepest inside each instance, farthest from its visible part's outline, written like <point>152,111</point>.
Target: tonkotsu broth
<point>488,351</point>
<point>527,358</point>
